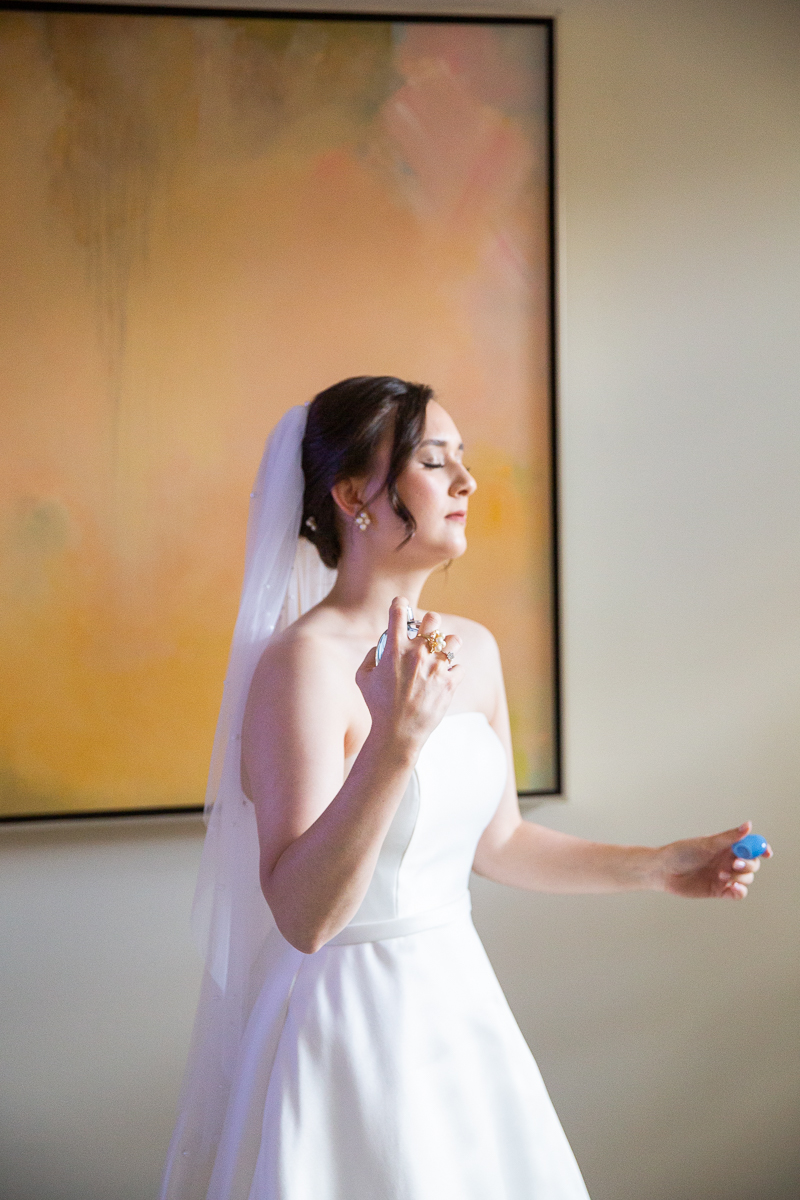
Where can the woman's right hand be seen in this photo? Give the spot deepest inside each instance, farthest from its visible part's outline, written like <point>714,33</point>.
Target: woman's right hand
<point>410,689</point>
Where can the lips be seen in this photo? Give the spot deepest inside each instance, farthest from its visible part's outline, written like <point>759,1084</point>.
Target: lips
<point>459,516</point>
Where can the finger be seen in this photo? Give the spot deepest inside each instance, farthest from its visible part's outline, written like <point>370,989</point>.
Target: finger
<point>452,645</point>
<point>736,891</point>
<point>739,868</point>
<point>742,872</point>
<point>428,623</point>
<point>746,864</point>
<point>728,836</point>
<point>367,662</point>
<point>398,624</point>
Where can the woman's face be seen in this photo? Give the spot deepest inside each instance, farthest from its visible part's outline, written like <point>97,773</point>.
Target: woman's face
<point>435,486</point>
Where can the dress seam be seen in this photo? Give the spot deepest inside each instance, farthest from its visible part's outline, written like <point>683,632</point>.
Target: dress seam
<point>396,897</point>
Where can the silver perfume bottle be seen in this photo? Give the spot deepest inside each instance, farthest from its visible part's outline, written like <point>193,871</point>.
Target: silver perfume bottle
<point>412,628</point>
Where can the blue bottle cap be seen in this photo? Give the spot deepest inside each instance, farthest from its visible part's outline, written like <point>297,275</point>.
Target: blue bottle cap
<point>752,846</point>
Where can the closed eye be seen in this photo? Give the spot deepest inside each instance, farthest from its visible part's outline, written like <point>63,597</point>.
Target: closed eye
<point>431,465</point>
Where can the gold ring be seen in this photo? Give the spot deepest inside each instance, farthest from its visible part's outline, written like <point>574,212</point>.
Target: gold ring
<point>435,642</point>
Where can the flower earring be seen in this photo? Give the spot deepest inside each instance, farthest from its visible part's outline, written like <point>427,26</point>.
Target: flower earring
<point>363,519</point>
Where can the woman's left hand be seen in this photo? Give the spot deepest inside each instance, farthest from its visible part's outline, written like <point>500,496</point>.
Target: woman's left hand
<point>707,867</point>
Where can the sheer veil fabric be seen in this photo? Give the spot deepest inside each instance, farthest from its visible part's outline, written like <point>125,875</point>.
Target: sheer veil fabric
<point>231,922</point>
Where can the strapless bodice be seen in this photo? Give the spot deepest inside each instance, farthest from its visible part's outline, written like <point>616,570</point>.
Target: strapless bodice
<point>427,855</point>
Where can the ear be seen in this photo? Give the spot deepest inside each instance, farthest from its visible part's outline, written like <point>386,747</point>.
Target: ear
<point>347,496</point>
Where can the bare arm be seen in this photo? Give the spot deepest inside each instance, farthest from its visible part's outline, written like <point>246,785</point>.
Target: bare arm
<point>524,855</point>
<point>320,836</point>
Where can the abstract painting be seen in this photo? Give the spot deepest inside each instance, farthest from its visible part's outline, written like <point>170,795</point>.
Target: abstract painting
<point>204,220</point>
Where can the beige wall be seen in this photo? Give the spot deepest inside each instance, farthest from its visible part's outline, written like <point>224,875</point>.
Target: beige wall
<point>667,1031</point>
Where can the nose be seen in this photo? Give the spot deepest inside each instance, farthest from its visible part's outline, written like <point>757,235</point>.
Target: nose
<point>463,484</point>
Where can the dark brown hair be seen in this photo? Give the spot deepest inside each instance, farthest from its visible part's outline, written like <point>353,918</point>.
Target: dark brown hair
<point>346,425</point>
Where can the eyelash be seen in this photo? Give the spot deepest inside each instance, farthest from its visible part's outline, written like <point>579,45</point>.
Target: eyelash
<point>430,466</point>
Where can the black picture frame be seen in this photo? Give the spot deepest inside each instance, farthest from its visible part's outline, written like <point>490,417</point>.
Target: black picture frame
<point>528,797</point>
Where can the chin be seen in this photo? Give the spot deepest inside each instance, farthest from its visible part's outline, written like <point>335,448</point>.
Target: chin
<point>434,554</point>
<point>448,550</point>
<point>460,547</point>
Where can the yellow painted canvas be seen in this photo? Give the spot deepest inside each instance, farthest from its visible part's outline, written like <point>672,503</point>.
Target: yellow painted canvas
<point>204,221</point>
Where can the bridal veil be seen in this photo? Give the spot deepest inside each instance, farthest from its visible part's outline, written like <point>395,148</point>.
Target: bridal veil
<point>232,924</point>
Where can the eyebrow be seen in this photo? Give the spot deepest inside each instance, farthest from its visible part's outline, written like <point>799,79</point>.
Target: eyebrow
<point>437,442</point>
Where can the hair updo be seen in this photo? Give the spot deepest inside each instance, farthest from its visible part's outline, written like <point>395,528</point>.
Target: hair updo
<point>346,425</point>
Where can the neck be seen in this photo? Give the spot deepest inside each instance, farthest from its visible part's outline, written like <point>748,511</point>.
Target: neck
<point>365,594</point>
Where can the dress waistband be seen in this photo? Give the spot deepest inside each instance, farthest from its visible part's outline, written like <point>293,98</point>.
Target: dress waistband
<point>379,931</point>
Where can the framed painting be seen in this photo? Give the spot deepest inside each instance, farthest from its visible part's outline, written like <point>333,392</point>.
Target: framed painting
<point>205,218</point>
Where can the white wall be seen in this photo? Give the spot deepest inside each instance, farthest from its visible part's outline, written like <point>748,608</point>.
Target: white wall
<point>667,1031</point>
<point>98,993</point>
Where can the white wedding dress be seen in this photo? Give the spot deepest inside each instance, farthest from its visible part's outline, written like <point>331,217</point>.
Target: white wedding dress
<point>388,1066</point>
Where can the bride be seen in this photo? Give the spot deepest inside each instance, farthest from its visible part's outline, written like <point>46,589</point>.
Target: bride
<point>352,1042</point>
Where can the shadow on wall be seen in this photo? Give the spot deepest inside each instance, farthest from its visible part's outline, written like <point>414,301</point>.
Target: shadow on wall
<point>100,986</point>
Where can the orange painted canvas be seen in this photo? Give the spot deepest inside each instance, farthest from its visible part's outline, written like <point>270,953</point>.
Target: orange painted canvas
<point>204,221</point>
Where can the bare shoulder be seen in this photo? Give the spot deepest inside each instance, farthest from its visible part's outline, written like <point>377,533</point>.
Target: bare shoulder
<point>477,640</point>
<point>481,687</point>
<point>300,664</point>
